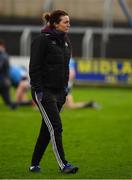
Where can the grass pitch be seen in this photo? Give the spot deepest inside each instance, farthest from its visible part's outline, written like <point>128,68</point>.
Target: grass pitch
<point>98,141</point>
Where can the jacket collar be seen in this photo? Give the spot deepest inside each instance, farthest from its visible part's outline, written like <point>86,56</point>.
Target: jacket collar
<point>53,32</point>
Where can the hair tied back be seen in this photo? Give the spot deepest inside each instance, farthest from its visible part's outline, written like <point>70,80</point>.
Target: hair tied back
<point>46,17</point>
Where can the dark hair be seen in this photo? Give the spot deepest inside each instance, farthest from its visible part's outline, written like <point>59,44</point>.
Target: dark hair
<point>54,17</point>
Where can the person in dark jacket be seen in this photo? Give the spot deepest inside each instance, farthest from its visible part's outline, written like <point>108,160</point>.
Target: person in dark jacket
<point>49,74</point>
<point>4,77</point>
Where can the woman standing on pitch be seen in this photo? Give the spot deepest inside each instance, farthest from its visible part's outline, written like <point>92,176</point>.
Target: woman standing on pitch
<point>49,73</point>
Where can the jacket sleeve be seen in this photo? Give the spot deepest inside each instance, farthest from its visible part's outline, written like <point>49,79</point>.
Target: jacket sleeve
<point>36,60</point>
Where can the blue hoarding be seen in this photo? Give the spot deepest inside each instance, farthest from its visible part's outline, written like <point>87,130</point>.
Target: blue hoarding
<point>104,71</point>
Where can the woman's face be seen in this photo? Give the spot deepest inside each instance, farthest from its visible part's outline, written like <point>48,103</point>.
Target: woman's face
<point>64,24</point>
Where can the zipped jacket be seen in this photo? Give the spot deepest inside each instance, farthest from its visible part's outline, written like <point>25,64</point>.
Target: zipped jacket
<point>49,61</point>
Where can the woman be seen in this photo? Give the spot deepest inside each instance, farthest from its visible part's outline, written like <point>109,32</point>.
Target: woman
<point>49,73</point>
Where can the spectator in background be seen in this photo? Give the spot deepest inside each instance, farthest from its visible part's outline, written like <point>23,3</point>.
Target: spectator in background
<point>69,99</point>
<point>19,80</point>
<point>4,77</point>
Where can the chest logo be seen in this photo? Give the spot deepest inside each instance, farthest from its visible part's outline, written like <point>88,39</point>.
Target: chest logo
<point>53,42</point>
<point>66,44</point>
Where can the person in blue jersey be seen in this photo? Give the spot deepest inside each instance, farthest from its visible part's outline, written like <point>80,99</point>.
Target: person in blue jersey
<point>17,73</point>
<point>4,77</point>
<point>19,80</point>
<point>70,103</point>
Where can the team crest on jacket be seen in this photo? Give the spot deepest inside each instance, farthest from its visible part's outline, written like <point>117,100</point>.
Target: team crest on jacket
<point>54,42</point>
<point>66,44</point>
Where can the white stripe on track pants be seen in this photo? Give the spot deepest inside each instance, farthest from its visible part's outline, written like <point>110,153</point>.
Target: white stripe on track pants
<point>51,128</point>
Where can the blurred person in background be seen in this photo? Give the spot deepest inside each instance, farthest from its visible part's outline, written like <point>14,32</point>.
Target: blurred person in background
<point>19,80</point>
<point>69,99</point>
<point>49,74</point>
<point>4,77</point>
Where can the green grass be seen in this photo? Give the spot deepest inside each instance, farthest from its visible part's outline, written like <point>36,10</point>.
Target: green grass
<point>99,142</point>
